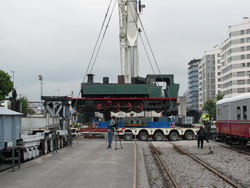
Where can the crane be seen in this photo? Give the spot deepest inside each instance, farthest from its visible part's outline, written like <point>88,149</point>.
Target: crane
<point>129,12</point>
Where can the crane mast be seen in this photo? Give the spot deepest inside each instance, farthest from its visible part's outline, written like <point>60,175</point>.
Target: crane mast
<point>128,18</point>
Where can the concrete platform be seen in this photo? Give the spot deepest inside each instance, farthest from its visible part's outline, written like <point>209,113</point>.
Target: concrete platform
<point>86,164</point>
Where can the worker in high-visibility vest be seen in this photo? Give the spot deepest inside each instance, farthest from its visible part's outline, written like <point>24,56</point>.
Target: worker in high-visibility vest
<point>206,122</point>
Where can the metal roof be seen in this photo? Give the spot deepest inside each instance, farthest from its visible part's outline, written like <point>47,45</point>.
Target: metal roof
<point>5,111</point>
<point>235,98</point>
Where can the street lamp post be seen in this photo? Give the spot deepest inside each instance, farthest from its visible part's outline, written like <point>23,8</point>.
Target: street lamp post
<point>13,77</point>
<point>40,77</point>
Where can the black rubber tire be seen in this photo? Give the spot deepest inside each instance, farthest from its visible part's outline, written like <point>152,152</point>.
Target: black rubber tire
<point>189,135</point>
<point>45,146</point>
<point>128,136</point>
<point>173,136</point>
<point>51,144</point>
<point>143,136</point>
<point>158,136</point>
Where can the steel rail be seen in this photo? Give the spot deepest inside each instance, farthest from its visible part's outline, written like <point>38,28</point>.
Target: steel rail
<point>163,165</point>
<point>234,149</point>
<point>234,184</point>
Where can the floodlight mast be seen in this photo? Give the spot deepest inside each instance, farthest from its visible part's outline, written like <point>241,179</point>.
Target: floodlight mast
<point>128,19</point>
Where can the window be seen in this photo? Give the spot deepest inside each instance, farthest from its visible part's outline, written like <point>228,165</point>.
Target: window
<point>248,39</point>
<point>241,90</point>
<point>242,73</point>
<point>248,56</point>
<point>242,49</point>
<point>242,32</point>
<point>248,64</point>
<point>245,112</point>
<point>243,64</point>
<point>248,47</point>
<point>242,40</point>
<point>241,82</point>
<point>242,57</point>
<point>248,31</point>
<point>238,113</point>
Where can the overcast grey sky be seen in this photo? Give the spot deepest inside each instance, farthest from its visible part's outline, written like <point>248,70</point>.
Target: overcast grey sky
<point>55,38</point>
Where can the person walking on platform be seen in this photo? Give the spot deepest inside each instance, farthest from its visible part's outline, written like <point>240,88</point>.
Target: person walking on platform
<point>206,123</point>
<point>200,137</point>
<point>110,130</point>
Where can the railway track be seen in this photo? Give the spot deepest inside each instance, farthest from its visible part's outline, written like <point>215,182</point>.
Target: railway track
<point>161,155</point>
<point>157,154</point>
<point>216,172</point>
<point>247,152</point>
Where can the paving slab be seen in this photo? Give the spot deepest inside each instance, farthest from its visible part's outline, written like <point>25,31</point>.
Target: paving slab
<point>87,164</point>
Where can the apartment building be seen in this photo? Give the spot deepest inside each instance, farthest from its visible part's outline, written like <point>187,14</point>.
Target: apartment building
<point>192,94</point>
<point>235,61</point>
<point>208,75</point>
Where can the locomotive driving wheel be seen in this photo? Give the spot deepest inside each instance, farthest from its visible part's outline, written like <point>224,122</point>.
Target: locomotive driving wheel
<point>115,107</point>
<point>138,107</point>
<point>127,107</point>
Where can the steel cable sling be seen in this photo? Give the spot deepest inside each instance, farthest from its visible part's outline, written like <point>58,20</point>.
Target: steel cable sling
<point>164,84</point>
<point>96,44</point>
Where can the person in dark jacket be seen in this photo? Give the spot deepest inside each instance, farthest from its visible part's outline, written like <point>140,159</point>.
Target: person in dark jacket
<point>111,128</point>
<point>201,136</point>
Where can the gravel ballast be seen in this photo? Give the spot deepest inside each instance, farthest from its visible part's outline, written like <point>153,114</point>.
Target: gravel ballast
<point>189,173</point>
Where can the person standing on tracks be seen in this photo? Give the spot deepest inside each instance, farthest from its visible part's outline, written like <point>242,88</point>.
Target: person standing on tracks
<point>110,130</point>
<point>206,123</point>
<point>200,137</point>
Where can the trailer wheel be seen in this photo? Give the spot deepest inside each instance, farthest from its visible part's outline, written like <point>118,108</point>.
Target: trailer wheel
<point>143,136</point>
<point>189,135</point>
<point>158,136</point>
<point>58,142</point>
<point>45,145</point>
<point>128,136</point>
<point>51,144</point>
<point>62,140</point>
<point>1,159</point>
<point>173,136</point>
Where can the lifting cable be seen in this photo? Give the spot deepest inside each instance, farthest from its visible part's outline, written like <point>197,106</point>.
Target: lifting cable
<point>97,41</point>
<point>103,36</point>
<point>151,50</point>
<point>164,83</point>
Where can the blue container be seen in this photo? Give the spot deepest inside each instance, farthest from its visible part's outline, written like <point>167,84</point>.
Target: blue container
<point>10,128</point>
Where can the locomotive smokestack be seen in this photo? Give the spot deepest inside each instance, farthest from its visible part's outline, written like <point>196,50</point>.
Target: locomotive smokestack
<point>105,80</point>
<point>90,78</point>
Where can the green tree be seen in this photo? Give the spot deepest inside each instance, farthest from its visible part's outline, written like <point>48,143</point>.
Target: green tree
<point>210,105</point>
<point>6,85</point>
<point>25,107</point>
<point>219,96</point>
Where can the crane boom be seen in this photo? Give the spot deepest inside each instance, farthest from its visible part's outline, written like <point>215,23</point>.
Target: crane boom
<point>128,15</point>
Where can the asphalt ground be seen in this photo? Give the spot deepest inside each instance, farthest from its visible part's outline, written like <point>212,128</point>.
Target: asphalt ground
<point>87,164</point>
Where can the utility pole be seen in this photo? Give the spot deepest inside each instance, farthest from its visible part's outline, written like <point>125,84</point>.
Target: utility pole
<point>13,78</point>
<point>40,77</point>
